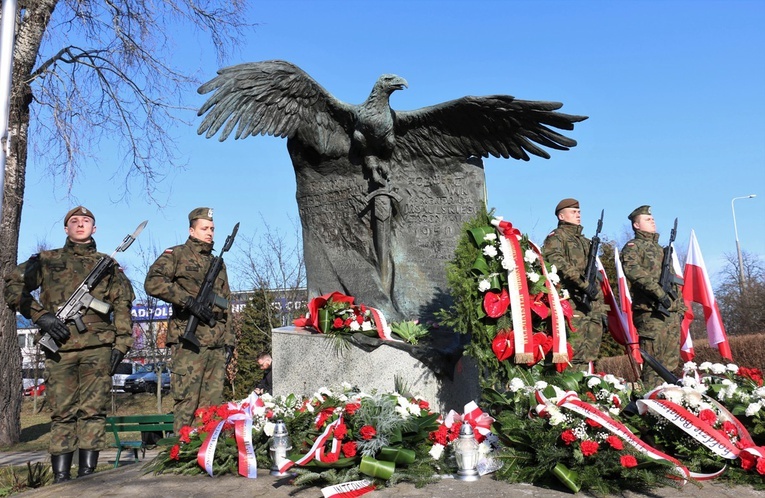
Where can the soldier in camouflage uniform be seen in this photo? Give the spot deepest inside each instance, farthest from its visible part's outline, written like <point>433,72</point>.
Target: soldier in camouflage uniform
<point>567,249</point>
<point>642,258</point>
<point>176,277</point>
<point>78,376</point>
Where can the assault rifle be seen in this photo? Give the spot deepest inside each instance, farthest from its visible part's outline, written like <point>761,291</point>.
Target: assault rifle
<point>207,296</point>
<point>82,299</point>
<point>667,277</point>
<point>660,369</point>
<point>591,270</point>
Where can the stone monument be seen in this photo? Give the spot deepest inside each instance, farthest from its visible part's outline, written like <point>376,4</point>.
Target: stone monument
<point>382,194</point>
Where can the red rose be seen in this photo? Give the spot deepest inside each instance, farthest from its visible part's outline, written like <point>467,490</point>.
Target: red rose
<point>367,432</point>
<point>347,322</point>
<point>588,448</point>
<point>424,405</point>
<point>351,408</point>
<point>761,466</point>
<point>615,443</point>
<point>174,452</point>
<point>359,319</point>
<point>708,416</point>
<point>338,323</point>
<point>349,449</point>
<point>628,461</point>
<point>341,431</point>
<point>568,436</point>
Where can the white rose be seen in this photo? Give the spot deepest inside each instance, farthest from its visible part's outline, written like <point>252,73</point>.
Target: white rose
<point>731,367</point>
<point>594,381</point>
<point>508,264</point>
<point>516,384</point>
<point>530,256</point>
<point>553,269</point>
<point>554,278</point>
<point>689,367</point>
<point>540,384</point>
<point>689,382</point>
<point>436,451</point>
<point>752,409</point>
<point>718,369</point>
<point>557,418</point>
<point>674,395</point>
<point>484,285</point>
<point>490,237</point>
<point>366,326</point>
<point>490,251</point>
<point>706,366</point>
<point>534,277</point>
<point>354,326</point>
<point>268,429</point>
<point>760,391</point>
<point>564,294</point>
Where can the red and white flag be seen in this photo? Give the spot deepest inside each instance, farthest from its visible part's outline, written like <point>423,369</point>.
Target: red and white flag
<point>698,289</point>
<point>620,314</point>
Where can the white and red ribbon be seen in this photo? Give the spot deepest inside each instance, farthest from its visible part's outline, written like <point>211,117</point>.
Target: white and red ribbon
<point>317,450</point>
<point>241,417</point>
<point>350,489</point>
<point>560,351</point>
<point>477,418</point>
<point>518,290</point>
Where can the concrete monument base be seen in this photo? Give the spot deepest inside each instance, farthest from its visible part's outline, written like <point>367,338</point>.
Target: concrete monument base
<point>304,361</point>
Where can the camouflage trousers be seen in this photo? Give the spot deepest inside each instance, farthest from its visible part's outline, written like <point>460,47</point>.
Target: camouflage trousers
<point>659,337</point>
<point>77,390</point>
<point>197,381</point>
<point>589,334</point>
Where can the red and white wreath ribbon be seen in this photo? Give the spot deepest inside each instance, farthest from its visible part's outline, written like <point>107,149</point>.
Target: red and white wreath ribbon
<point>317,450</point>
<point>240,414</point>
<point>480,421</point>
<point>570,401</point>
<point>381,324</point>
<point>518,289</point>
<point>560,351</point>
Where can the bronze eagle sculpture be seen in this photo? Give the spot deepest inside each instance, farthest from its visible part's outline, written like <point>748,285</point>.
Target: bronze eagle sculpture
<point>373,182</point>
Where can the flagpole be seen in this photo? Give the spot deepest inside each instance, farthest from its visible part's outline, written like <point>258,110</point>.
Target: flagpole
<point>741,280</point>
<point>7,27</point>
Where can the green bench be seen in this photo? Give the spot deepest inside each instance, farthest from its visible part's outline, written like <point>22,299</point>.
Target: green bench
<point>136,423</point>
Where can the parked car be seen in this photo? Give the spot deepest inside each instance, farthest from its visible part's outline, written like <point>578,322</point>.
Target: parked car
<point>38,390</point>
<point>124,370</point>
<point>144,380</point>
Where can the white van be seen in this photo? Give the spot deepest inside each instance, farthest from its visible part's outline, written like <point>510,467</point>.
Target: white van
<point>124,370</point>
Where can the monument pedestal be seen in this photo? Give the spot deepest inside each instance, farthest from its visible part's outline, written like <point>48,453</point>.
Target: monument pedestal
<point>304,361</point>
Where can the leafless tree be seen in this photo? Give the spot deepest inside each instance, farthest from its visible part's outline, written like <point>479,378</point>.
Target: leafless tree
<point>90,70</point>
<point>742,312</point>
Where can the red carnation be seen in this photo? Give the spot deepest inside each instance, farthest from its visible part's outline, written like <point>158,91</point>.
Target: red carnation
<point>748,460</point>
<point>628,461</point>
<point>588,448</point>
<point>729,428</point>
<point>341,431</point>
<point>330,457</point>
<point>351,408</point>
<point>424,405</point>
<point>590,396</point>
<point>615,443</point>
<point>338,323</point>
<point>184,433</point>
<point>592,423</point>
<point>349,449</point>
<point>174,452</point>
<point>761,466</point>
<point>367,432</point>
<point>440,435</point>
<point>708,416</point>
<point>568,436</point>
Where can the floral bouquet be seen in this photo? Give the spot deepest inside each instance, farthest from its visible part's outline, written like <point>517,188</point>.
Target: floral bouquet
<point>568,430</point>
<point>509,300</point>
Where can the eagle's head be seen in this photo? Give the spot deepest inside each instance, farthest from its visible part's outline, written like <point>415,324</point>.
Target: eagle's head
<point>389,83</point>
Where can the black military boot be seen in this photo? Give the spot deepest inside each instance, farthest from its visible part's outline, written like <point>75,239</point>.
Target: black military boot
<point>88,462</point>
<point>61,465</point>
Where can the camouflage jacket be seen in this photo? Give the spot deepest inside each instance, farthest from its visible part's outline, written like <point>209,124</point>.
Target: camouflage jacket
<point>57,274</point>
<point>641,259</point>
<point>177,275</point>
<point>567,249</point>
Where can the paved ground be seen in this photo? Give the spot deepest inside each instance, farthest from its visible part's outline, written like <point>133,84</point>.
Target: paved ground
<point>131,481</point>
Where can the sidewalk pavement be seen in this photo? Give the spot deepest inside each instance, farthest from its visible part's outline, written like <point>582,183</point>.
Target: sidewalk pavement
<point>132,481</point>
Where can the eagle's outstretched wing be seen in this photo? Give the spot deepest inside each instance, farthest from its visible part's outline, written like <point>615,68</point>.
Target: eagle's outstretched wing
<point>274,98</point>
<point>497,125</point>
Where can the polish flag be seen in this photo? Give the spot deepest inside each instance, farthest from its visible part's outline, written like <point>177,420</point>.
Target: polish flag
<point>620,314</point>
<point>698,289</point>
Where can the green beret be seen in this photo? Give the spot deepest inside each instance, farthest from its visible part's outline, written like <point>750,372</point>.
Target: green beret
<point>202,213</point>
<point>79,211</point>
<point>641,210</point>
<point>566,203</point>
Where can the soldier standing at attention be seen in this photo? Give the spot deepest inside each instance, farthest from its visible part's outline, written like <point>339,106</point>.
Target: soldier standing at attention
<point>78,376</point>
<point>567,249</point>
<point>176,277</point>
<point>642,259</point>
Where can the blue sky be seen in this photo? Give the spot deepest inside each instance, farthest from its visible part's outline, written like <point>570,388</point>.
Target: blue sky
<point>674,91</point>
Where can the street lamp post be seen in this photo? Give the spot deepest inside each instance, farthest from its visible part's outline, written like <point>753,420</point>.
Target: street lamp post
<point>738,245</point>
